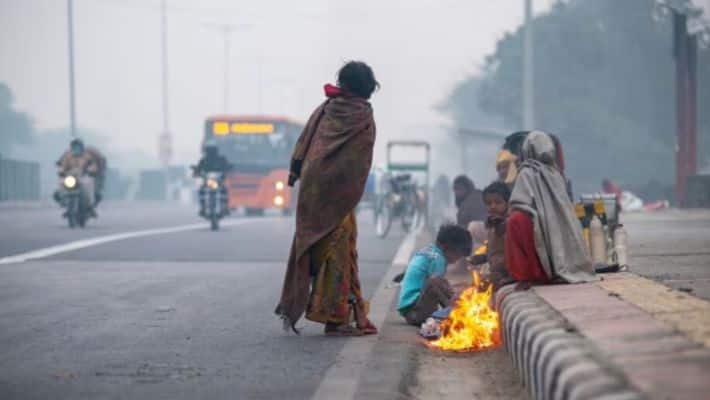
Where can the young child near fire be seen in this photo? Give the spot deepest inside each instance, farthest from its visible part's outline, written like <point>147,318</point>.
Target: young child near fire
<point>424,288</point>
<point>496,196</point>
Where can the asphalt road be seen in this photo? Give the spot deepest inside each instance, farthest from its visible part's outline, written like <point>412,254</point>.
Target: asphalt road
<point>189,314</point>
<point>29,228</point>
<point>178,315</point>
<point>672,247</point>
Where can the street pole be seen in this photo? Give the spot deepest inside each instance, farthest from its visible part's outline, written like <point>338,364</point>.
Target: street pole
<point>261,81</point>
<point>685,54</point>
<point>72,95</point>
<point>226,29</point>
<point>528,69</point>
<point>165,138</point>
<point>164,51</point>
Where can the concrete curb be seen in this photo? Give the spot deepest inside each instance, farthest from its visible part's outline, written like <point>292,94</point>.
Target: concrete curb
<point>553,360</point>
<point>341,379</point>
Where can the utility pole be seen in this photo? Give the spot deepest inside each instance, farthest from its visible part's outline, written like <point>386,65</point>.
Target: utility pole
<point>72,85</point>
<point>165,140</point>
<point>685,54</point>
<point>164,53</point>
<point>528,70</point>
<point>261,80</point>
<point>226,30</point>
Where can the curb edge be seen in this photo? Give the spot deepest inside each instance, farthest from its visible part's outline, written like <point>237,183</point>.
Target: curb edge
<point>553,360</point>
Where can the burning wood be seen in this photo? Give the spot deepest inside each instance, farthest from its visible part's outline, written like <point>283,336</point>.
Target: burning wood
<point>472,324</point>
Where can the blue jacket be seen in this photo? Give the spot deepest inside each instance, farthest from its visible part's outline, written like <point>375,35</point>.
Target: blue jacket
<point>425,263</point>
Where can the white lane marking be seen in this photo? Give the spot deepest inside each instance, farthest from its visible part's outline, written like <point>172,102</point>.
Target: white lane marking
<point>80,244</point>
<point>342,378</point>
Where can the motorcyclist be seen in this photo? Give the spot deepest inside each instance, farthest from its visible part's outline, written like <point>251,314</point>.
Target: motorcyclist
<point>88,161</point>
<point>101,164</point>
<point>211,161</point>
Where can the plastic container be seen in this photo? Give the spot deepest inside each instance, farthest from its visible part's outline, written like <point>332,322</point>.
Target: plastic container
<point>597,241</point>
<point>621,245</point>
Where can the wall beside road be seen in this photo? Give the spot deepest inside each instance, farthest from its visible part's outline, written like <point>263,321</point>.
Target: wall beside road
<point>19,180</point>
<point>698,191</point>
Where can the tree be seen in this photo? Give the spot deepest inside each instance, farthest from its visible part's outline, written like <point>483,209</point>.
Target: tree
<point>16,128</point>
<point>604,83</point>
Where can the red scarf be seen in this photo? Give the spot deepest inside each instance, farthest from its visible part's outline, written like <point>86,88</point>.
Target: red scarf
<point>332,91</point>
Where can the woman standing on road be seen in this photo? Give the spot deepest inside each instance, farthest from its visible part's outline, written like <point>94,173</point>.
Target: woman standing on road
<point>332,158</point>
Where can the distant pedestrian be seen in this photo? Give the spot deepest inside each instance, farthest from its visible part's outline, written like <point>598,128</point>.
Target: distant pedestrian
<point>471,211</point>
<point>543,241</point>
<point>441,197</point>
<point>424,288</point>
<point>332,158</point>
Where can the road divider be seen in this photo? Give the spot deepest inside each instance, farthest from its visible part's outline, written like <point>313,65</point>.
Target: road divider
<point>84,243</point>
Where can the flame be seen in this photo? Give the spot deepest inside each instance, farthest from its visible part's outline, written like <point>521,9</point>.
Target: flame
<point>482,249</point>
<point>472,324</point>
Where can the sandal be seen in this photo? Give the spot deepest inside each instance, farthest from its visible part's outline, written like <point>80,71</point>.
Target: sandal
<point>368,328</point>
<point>342,330</point>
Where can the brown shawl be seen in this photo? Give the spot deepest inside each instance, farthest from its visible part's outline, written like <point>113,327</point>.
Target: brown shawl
<point>335,149</point>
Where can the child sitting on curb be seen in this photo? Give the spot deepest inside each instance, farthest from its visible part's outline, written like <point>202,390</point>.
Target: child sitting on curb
<point>496,196</point>
<point>424,288</point>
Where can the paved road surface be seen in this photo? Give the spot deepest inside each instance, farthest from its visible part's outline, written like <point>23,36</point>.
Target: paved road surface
<point>672,247</point>
<point>182,315</point>
<point>189,314</point>
<point>25,229</point>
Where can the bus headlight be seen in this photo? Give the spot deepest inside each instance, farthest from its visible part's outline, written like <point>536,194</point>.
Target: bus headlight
<point>212,184</point>
<point>70,182</point>
<point>278,201</point>
<point>279,185</point>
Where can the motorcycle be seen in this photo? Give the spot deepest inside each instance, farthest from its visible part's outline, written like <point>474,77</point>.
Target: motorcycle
<point>401,199</point>
<point>75,196</point>
<point>213,194</point>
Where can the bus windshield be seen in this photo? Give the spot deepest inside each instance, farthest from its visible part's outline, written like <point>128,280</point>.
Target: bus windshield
<point>266,144</point>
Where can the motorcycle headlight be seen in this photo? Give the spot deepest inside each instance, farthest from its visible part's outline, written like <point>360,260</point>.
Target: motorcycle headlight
<point>212,183</point>
<point>278,201</point>
<point>279,185</point>
<point>69,182</point>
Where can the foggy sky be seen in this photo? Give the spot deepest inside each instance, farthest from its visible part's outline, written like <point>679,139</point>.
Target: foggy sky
<point>418,48</point>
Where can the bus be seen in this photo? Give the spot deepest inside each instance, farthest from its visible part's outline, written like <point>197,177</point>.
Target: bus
<point>259,148</point>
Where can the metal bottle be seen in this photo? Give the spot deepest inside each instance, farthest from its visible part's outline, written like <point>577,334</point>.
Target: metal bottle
<point>597,241</point>
<point>620,245</point>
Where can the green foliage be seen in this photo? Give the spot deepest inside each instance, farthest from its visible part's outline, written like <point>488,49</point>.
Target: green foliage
<point>16,128</point>
<point>604,83</point>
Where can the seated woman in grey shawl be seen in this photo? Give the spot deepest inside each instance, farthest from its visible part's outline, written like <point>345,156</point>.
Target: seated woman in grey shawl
<point>544,241</point>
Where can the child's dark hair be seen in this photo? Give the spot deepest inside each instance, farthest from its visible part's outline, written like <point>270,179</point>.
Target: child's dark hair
<point>499,188</point>
<point>514,141</point>
<point>455,237</point>
<point>357,78</point>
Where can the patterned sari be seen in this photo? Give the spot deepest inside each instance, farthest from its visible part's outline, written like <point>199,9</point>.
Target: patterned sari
<point>336,286</point>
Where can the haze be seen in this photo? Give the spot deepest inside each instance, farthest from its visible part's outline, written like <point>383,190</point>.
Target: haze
<point>419,50</point>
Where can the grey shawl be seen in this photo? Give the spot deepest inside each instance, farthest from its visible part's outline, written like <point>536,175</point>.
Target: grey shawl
<point>540,191</point>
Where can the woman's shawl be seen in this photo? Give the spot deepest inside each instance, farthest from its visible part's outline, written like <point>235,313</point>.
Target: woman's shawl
<point>540,191</point>
<point>336,153</point>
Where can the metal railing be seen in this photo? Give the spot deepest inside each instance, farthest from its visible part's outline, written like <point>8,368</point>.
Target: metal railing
<point>19,180</point>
